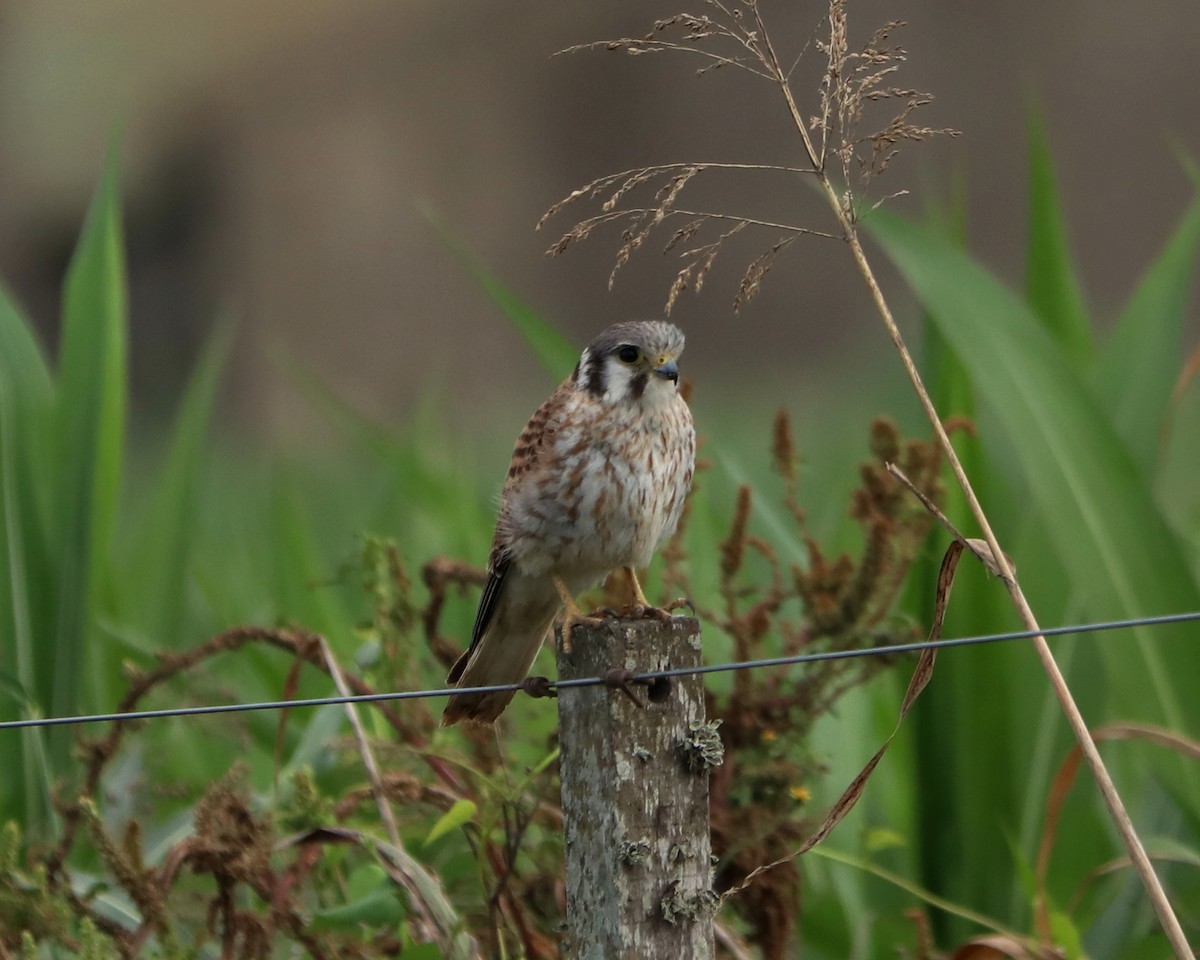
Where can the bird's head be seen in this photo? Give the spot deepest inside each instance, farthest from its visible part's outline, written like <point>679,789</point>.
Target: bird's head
<point>632,363</point>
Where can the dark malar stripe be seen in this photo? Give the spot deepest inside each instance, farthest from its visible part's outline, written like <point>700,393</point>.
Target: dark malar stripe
<point>637,386</point>
<point>595,376</point>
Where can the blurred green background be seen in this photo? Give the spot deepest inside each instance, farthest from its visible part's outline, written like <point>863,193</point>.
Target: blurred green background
<point>263,349</point>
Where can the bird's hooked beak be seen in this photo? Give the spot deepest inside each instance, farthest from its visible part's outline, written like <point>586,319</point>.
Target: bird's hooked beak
<point>667,369</point>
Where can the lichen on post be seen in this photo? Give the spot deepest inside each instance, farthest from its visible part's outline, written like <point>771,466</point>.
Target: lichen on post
<point>635,794</point>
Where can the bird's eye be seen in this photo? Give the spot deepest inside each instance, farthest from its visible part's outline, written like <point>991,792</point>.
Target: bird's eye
<point>629,354</point>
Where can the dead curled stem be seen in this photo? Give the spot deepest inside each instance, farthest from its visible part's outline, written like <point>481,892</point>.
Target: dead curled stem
<point>300,643</point>
<point>1112,799</point>
<point>364,746</point>
<point>426,896</point>
<point>427,899</point>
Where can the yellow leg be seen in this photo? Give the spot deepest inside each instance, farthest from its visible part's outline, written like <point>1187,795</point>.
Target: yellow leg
<point>639,596</point>
<point>648,609</point>
<point>573,614</point>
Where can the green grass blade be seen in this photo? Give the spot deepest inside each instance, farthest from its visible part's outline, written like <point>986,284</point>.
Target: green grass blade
<point>953,907</point>
<point>554,351</point>
<point>159,567</point>
<point>1140,361</point>
<point>26,394</point>
<point>1051,286</point>
<point>1092,503</point>
<point>90,435</point>
<point>26,386</point>
<point>973,699</point>
<point>303,579</point>
<point>23,368</point>
<point>1175,481</point>
<point>351,422</point>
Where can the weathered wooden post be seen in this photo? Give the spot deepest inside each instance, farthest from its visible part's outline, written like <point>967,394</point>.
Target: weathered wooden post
<point>635,795</point>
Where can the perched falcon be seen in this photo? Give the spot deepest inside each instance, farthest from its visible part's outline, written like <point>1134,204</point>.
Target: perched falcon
<point>597,481</point>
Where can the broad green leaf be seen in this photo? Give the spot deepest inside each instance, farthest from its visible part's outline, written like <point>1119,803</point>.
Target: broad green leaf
<point>90,440</point>
<point>410,874</point>
<point>971,696</point>
<point>364,879</point>
<point>1175,482</point>
<point>422,951</point>
<point>12,690</point>
<point>1142,358</point>
<point>1066,934</point>
<point>381,908</point>
<point>27,391</point>
<point>26,396</point>
<point>1092,502</point>
<point>1173,849</point>
<point>318,729</point>
<point>373,901</point>
<point>1051,286</point>
<point>462,812</point>
<point>22,366</point>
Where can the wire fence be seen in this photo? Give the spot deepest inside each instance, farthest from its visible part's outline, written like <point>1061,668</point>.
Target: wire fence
<point>647,677</point>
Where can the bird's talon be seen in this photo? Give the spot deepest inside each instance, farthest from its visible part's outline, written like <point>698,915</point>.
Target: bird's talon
<point>679,603</point>
<point>653,613</point>
<point>569,625</point>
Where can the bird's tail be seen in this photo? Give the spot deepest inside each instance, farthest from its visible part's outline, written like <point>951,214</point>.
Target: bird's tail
<point>500,656</point>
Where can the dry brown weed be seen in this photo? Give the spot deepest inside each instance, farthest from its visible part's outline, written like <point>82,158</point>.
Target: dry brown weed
<point>860,120</point>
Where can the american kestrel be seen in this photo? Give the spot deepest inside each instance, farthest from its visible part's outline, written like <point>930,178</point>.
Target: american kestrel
<point>597,481</point>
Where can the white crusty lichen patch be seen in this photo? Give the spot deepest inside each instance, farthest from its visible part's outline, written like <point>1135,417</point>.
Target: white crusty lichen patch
<point>701,748</point>
<point>677,905</point>
<point>633,853</point>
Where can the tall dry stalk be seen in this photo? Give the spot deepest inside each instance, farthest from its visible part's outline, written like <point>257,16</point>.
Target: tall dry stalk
<point>843,161</point>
